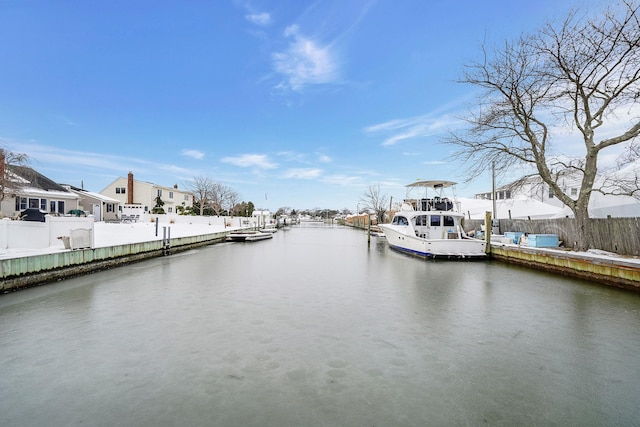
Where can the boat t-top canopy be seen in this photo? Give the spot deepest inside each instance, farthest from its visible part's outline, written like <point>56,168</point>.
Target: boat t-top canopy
<point>432,184</point>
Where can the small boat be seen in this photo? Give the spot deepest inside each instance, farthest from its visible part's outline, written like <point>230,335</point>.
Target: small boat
<point>431,227</point>
<point>247,236</point>
<point>376,231</point>
<point>269,228</point>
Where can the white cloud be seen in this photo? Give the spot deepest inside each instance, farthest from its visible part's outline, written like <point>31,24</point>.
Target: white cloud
<point>344,180</point>
<point>262,19</point>
<point>390,125</point>
<point>324,158</point>
<point>302,173</point>
<point>412,127</point>
<point>193,153</point>
<point>293,156</point>
<point>411,133</point>
<point>305,62</point>
<point>435,162</point>
<point>99,161</point>
<point>86,165</point>
<point>248,160</point>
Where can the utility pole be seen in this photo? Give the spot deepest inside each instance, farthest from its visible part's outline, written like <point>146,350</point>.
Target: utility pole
<point>493,187</point>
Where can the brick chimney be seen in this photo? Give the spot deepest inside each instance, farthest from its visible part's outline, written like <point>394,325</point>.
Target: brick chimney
<point>130,188</point>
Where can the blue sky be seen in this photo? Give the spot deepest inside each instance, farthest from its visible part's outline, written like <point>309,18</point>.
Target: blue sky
<point>291,103</point>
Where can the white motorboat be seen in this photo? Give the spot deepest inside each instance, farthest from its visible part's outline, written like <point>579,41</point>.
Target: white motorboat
<point>247,236</point>
<point>431,227</point>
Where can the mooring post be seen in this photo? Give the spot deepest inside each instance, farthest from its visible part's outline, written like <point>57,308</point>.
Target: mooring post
<point>164,240</point>
<point>168,240</point>
<point>487,231</point>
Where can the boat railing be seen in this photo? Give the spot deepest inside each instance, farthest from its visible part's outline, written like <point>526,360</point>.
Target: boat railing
<point>432,204</point>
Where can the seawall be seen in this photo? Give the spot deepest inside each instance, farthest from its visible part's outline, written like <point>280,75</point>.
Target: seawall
<point>606,271</point>
<point>16,273</point>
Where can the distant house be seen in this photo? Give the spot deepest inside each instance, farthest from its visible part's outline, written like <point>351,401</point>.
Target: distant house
<point>600,206</point>
<point>534,188</point>
<point>103,208</point>
<point>27,188</point>
<point>129,191</point>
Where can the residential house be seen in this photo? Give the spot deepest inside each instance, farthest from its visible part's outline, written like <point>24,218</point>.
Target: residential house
<point>102,208</point>
<point>129,191</point>
<point>534,188</point>
<point>600,206</point>
<point>26,188</point>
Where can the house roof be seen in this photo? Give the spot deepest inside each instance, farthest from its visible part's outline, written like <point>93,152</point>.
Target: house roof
<point>162,187</point>
<point>520,207</point>
<point>35,179</point>
<point>97,196</point>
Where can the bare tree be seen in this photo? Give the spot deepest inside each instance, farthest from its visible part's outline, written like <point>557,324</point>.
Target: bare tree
<point>211,195</point>
<point>219,198</point>
<point>374,201</point>
<point>9,182</point>
<point>284,210</point>
<point>580,75</point>
<point>231,200</point>
<point>201,187</point>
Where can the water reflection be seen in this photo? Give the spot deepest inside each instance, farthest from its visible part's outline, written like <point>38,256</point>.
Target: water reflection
<point>315,327</point>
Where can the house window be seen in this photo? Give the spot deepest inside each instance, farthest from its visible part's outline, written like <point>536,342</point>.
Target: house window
<point>171,194</point>
<point>159,192</point>
<point>21,203</point>
<point>34,203</point>
<point>110,207</point>
<point>186,197</point>
<point>508,194</point>
<point>550,193</point>
<point>120,190</point>
<point>574,191</point>
<point>56,206</point>
<point>169,210</point>
<point>43,204</point>
<point>435,220</point>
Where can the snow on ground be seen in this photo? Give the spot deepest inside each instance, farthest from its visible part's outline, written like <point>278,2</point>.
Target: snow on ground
<point>113,234</point>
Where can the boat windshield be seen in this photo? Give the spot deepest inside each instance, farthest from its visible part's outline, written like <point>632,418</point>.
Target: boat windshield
<point>400,220</point>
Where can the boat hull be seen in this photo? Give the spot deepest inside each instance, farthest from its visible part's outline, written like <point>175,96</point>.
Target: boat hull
<point>459,248</point>
<point>249,236</point>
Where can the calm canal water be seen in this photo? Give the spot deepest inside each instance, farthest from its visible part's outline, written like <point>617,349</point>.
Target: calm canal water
<point>312,328</point>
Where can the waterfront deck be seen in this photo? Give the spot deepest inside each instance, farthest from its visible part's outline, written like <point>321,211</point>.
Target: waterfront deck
<point>604,268</point>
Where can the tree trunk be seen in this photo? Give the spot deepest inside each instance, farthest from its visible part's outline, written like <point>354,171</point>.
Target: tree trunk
<point>583,229</point>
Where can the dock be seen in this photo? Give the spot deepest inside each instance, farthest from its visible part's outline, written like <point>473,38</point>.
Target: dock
<point>622,272</point>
